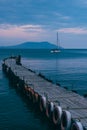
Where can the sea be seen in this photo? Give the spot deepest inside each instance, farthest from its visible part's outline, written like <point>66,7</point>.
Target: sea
<point>67,68</point>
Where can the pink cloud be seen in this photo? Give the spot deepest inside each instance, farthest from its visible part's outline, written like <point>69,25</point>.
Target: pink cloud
<point>20,31</point>
<point>73,30</point>
<point>11,33</point>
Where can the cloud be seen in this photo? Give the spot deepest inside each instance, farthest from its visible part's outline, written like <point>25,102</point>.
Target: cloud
<point>38,20</point>
<point>62,16</point>
<point>15,34</point>
<point>32,28</point>
<point>8,30</point>
<point>22,33</point>
<point>22,12</point>
<point>6,26</point>
<point>73,30</point>
<point>81,3</point>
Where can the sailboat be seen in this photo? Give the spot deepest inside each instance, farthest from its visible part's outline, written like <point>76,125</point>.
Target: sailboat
<point>56,50</point>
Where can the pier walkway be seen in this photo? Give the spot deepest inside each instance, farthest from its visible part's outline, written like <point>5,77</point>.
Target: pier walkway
<point>65,108</point>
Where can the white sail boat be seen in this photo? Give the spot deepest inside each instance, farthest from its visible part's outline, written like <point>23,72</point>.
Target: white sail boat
<point>56,50</point>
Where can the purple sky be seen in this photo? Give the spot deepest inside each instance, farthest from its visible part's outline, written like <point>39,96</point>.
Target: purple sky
<point>39,20</point>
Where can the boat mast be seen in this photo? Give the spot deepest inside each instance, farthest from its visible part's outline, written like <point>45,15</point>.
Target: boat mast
<point>57,40</point>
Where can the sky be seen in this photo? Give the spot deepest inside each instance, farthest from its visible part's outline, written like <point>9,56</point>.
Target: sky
<point>40,20</point>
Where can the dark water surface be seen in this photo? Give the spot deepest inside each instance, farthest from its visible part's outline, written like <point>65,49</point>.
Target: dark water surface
<point>68,68</point>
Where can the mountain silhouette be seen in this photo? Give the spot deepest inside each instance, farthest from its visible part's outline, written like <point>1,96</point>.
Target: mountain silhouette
<point>33,45</point>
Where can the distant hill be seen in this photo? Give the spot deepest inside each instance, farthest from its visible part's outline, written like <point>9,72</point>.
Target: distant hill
<point>33,45</point>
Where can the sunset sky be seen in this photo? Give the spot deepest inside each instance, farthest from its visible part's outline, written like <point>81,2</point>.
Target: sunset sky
<point>40,20</point>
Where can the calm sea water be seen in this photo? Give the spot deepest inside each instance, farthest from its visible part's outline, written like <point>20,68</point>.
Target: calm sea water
<point>68,68</point>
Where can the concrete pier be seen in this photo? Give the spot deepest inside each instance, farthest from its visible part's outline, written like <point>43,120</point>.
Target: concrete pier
<point>65,108</point>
